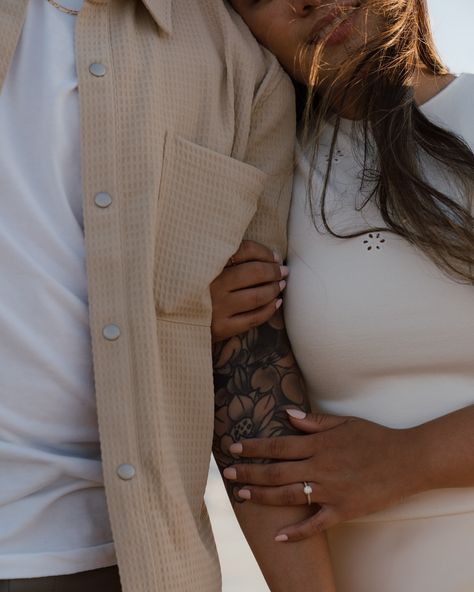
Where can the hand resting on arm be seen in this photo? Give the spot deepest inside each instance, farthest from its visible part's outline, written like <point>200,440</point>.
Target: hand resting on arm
<point>355,467</point>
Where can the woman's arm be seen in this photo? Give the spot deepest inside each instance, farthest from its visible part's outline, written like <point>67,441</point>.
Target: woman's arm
<point>445,450</point>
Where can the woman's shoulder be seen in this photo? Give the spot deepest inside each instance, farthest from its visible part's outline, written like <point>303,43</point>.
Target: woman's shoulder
<point>459,89</point>
<point>452,107</point>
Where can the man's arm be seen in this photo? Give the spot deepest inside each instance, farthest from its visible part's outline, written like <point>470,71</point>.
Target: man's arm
<point>256,377</point>
<point>256,380</point>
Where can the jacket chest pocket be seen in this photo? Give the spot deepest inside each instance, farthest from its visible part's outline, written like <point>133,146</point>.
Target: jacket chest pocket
<point>206,202</point>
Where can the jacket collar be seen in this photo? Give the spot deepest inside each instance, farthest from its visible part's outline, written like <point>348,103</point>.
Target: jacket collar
<point>160,10</point>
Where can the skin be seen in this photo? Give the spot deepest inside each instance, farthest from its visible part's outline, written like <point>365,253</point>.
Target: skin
<point>256,381</point>
<point>355,467</point>
<point>238,306</point>
<point>287,29</point>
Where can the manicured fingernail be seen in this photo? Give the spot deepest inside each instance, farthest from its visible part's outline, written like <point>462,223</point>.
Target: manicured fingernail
<point>281,538</point>
<point>277,258</point>
<point>245,494</point>
<point>230,474</point>
<point>296,413</point>
<point>284,270</point>
<point>236,448</point>
<point>282,285</point>
<point>278,303</point>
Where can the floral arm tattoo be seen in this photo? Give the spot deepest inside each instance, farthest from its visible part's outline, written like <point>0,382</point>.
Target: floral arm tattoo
<point>256,379</point>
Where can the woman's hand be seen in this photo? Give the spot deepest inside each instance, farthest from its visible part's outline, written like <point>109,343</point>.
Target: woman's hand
<point>247,293</point>
<point>354,467</point>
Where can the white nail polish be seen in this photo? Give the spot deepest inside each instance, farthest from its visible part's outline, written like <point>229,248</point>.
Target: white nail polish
<point>296,413</point>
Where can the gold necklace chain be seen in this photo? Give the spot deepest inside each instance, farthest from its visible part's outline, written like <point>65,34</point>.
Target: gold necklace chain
<point>63,9</point>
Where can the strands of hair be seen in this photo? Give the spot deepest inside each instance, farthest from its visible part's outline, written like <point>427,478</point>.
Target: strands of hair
<point>375,86</point>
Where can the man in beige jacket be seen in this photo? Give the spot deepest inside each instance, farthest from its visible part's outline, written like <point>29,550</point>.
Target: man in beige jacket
<point>140,140</point>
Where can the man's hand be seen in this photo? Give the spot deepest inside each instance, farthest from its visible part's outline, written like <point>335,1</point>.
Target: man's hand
<point>247,293</point>
<point>354,467</point>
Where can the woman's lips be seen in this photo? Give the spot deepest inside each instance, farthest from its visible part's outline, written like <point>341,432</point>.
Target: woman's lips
<point>336,25</point>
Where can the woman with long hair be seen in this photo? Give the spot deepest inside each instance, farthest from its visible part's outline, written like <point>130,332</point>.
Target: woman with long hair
<point>379,305</point>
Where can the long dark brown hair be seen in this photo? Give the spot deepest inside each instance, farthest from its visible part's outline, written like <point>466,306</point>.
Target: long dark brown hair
<point>378,84</point>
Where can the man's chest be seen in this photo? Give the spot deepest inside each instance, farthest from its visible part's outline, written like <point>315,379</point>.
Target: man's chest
<point>166,94</point>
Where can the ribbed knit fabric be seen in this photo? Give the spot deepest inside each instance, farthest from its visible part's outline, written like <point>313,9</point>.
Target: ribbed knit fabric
<point>190,130</point>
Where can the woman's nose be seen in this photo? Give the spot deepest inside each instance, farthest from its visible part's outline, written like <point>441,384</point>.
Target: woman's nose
<point>306,7</point>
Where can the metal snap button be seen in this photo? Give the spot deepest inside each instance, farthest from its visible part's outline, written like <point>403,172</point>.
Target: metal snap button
<point>126,472</point>
<point>111,332</point>
<point>102,200</point>
<point>97,70</point>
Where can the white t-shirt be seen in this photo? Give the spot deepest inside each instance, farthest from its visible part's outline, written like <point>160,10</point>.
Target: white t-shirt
<point>53,515</point>
<point>378,330</point>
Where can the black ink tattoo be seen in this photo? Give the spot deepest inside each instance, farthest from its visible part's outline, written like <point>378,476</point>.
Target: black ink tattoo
<point>256,379</point>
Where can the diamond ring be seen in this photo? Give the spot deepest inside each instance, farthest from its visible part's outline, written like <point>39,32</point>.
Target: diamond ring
<point>308,490</point>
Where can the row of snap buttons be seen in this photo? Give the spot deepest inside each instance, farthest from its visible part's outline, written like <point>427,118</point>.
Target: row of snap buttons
<point>110,332</point>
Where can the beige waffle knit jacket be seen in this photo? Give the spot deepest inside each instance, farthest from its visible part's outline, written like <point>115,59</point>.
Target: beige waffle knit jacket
<point>189,127</point>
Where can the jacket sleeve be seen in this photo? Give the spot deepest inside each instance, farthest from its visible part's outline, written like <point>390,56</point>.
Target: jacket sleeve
<point>271,149</point>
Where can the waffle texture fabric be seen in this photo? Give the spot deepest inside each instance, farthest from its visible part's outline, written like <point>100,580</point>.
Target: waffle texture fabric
<point>188,126</point>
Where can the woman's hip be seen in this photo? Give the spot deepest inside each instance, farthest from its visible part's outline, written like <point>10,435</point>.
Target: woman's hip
<point>414,555</point>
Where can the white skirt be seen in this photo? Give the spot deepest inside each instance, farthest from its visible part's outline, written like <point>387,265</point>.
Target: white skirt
<point>413,555</point>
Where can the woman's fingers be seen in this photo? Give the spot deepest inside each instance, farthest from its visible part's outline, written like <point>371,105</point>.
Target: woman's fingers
<point>223,328</point>
<point>246,293</point>
<point>252,251</point>
<point>327,517</point>
<point>250,274</point>
<point>313,423</point>
<point>269,474</point>
<point>281,448</point>
<point>251,299</point>
<point>289,495</point>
